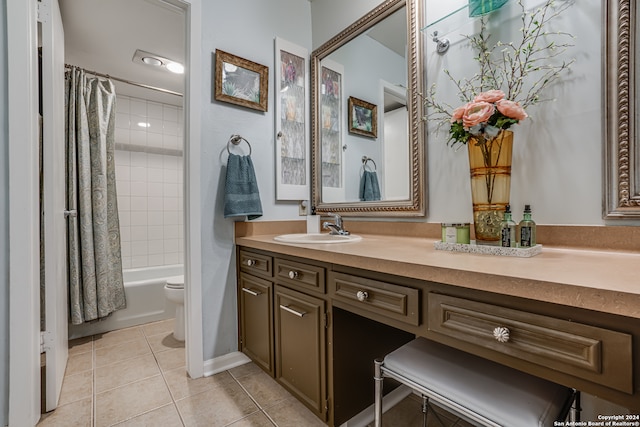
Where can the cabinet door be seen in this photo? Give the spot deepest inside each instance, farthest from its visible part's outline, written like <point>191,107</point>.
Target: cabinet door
<point>300,347</point>
<point>256,320</point>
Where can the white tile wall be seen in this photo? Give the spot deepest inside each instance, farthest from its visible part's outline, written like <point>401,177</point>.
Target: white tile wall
<point>149,185</point>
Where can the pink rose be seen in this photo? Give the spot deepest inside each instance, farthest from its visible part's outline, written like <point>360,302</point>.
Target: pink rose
<point>476,113</point>
<point>458,113</point>
<point>492,96</point>
<point>511,109</point>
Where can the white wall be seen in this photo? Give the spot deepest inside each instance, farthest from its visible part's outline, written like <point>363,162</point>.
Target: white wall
<point>245,28</point>
<point>4,227</point>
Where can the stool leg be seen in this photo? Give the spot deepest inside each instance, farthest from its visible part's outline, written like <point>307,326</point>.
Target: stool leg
<point>378,378</point>
<point>425,410</point>
<point>574,414</point>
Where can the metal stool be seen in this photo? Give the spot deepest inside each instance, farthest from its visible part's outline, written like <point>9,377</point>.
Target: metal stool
<point>478,390</point>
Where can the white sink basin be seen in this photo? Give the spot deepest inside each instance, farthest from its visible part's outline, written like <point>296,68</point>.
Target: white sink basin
<point>316,238</point>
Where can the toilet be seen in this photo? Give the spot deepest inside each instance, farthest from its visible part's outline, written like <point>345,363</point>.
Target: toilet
<point>174,291</point>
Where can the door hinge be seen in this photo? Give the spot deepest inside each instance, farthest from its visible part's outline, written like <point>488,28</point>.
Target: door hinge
<point>326,320</point>
<point>327,405</point>
<point>44,10</point>
<point>46,341</point>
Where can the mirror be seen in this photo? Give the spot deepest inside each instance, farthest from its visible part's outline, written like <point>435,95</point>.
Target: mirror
<point>622,154</point>
<point>367,140</point>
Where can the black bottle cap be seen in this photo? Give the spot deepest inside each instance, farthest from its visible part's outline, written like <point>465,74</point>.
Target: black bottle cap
<point>527,208</point>
<point>507,209</point>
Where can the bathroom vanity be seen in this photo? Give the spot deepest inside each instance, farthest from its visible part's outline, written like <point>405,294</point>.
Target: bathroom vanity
<point>314,316</point>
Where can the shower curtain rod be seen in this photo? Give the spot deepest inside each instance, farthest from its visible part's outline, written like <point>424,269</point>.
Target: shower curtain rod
<point>129,82</point>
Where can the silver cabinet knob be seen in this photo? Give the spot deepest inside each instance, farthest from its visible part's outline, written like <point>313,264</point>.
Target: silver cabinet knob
<point>362,295</point>
<point>501,334</point>
<point>251,262</point>
<point>293,274</point>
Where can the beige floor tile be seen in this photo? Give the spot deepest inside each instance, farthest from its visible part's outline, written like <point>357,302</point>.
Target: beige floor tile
<point>80,345</point>
<point>77,414</point>
<point>171,359</point>
<point>181,386</point>
<point>125,372</point>
<point>257,419</point>
<point>264,389</point>
<point>78,363</point>
<point>249,368</point>
<point>167,416</point>
<point>218,406</point>
<point>163,342</point>
<point>76,387</point>
<point>123,403</point>
<point>155,328</point>
<point>117,337</point>
<point>118,353</point>
<point>292,413</point>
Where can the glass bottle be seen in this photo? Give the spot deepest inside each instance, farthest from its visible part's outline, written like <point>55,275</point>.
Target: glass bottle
<point>527,229</point>
<point>508,236</point>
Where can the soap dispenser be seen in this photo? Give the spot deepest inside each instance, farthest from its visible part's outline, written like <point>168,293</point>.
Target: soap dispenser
<point>527,229</point>
<point>508,237</point>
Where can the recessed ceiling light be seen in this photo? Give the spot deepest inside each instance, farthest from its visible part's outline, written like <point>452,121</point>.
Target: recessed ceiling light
<point>175,67</point>
<point>150,60</point>
<point>144,124</point>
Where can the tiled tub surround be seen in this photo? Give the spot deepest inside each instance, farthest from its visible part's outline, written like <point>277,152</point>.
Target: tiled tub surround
<point>149,181</point>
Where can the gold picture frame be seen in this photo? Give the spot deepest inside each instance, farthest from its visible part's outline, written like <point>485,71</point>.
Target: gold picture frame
<point>241,82</point>
<point>363,117</point>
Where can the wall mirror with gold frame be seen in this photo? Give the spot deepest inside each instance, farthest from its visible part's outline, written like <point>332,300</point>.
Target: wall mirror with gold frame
<point>369,61</point>
<point>621,121</point>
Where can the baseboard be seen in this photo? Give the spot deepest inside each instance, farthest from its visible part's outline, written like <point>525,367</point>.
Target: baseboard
<point>367,415</point>
<point>222,363</point>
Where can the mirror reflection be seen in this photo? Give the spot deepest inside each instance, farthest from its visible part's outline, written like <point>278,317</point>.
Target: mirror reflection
<point>371,68</point>
<point>367,136</point>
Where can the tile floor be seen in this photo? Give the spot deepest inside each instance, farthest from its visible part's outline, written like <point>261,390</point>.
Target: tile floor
<point>136,377</point>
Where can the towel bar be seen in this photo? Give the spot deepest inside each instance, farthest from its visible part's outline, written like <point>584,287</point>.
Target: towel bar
<point>235,139</point>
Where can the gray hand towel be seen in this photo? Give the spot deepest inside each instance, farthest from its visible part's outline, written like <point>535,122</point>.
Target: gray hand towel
<point>369,187</point>
<point>241,195</point>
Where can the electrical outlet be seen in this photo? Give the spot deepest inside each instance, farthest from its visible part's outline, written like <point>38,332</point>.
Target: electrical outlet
<point>303,207</point>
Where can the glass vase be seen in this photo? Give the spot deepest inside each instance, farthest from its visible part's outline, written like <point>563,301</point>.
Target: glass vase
<point>482,7</point>
<point>490,165</point>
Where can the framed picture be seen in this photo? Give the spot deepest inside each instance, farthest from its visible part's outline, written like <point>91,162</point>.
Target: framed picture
<point>241,82</point>
<point>363,117</point>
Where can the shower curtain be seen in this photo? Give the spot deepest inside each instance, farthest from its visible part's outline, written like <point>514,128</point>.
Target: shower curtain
<point>96,287</point>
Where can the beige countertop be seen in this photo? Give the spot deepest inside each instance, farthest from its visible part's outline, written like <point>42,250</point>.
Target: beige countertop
<point>607,281</point>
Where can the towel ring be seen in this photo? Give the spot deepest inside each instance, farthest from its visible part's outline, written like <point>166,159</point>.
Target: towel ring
<point>235,140</point>
<point>366,159</point>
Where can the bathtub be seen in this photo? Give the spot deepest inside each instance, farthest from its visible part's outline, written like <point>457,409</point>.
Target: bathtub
<point>144,290</point>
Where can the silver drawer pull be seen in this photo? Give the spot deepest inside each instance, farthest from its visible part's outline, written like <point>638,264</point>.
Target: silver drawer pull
<point>251,262</point>
<point>501,334</point>
<point>292,311</point>
<point>362,296</point>
<point>293,274</point>
<point>251,292</point>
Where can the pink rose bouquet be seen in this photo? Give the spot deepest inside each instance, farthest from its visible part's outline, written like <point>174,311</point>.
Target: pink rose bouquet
<point>485,115</point>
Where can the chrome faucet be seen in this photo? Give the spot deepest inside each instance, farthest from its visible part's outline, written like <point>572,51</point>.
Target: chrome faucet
<point>336,226</point>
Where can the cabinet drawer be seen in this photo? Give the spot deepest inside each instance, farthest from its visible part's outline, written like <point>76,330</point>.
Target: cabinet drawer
<point>589,352</point>
<point>256,263</point>
<point>386,299</point>
<point>300,275</point>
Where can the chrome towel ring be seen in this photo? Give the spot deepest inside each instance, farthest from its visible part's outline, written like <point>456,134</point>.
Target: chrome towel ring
<point>235,140</point>
<point>366,160</point>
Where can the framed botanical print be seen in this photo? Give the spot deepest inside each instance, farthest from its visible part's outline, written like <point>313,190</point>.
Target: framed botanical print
<point>291,121</point>
<point>363,117</point>
<point>240,81</point>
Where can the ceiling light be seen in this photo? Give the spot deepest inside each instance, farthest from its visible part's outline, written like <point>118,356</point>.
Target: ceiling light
<point>150,60</point>
<point>175,67</point>
<point>144,124</point>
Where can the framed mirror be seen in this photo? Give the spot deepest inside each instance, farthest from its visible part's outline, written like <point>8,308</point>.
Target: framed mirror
<point>355,170</point>
<point>622,149</point>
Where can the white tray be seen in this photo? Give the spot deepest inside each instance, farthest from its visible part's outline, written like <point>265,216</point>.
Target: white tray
<point>489,250</point>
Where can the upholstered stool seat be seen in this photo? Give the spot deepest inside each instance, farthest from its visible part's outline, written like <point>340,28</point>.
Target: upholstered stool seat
<point>478,390</point>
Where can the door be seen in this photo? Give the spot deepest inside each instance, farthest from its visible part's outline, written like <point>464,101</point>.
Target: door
<point>300,347</point>
<point>54,197</point>
<point>256,328</point>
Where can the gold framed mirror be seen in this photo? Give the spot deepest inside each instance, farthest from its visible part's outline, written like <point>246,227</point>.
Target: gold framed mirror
<point>622,150</point>
<point>340,159</point>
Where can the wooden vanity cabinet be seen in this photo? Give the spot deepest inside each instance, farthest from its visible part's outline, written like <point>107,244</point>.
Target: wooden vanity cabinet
<point>256,321</point>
